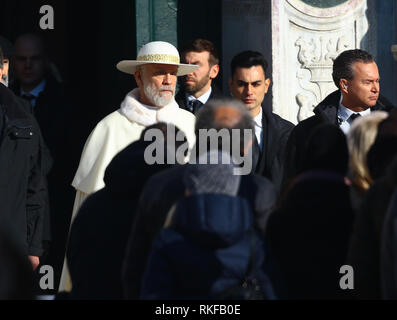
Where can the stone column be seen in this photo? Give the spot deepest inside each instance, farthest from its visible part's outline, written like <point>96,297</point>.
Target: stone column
<point>156,20</point>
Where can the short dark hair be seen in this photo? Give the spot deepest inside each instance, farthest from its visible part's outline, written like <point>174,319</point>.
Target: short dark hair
<point>1,58</point>
<point>248,59</point>
<point>343,64</point>
<point>201,45</point>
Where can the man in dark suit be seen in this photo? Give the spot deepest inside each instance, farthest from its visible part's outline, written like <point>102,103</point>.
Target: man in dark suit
<point>22,184</point>
<point>56,118</point>
<point>197,87</point>
<point>356,76</point>
<point>250,85</point>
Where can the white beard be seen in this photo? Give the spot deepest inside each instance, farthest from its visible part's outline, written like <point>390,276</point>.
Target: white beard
<point>155,96</point>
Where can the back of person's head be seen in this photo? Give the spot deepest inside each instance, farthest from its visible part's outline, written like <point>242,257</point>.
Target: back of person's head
<point>248,59</point>
<point>360,138</point>
<point>16,276</point>
<point>225,114</point>
<point>384,148</point>
<point>201,45</point>
<point>343,64</point>
<point>326,150</point>
<point>168,135</point>
<point>214,174</point>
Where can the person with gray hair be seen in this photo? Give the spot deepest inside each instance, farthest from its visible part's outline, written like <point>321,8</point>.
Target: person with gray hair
<point>209,244</point>
<point>228,129</point>
<point>214,173</point>
<point>163,190</point>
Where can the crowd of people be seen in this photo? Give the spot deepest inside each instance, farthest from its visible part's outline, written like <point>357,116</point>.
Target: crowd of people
<point>193,194</point>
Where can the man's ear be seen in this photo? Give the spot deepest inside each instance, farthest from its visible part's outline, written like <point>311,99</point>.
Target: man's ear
<point>6,65</point>
<point>267,84</point>
<point>138,78</point>
<point>214,70</point>
<point>343,86</point>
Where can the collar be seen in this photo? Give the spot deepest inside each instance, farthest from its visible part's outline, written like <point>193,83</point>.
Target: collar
<point>258,118</point>
<point>145,115</point>
<point>344,113</point>
<point>36,91</point>
<point>203,98</point>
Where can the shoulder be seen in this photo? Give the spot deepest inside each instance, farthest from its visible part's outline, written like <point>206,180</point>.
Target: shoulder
<point>163,182</point>
<point>275,120</point>
<point>111,119</point>
<point>259,184</point>
<point>260,188</point>
<point>217,93</point>
<point>282,123</point>
<point>115,124</point>
<point>305,126</point>
<point>185,115</point>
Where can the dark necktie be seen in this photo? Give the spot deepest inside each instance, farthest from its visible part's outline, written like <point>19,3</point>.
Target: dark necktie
<point>196,104</point>
<point>28,97</point>
<point>354,116</point>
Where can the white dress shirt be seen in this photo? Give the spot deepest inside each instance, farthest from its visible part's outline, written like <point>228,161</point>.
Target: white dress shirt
<point>258,128</point>
<point>344,117</point>
<point>35,92</point>
<point>203,98</point>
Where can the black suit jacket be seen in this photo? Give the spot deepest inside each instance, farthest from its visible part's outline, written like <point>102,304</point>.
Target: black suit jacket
<point>275,132</point>
<point>180,98</point>
<point>325,112</point>
<point>56,117</point>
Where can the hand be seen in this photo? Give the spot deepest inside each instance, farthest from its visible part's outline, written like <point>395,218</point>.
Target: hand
<point>35,261</point>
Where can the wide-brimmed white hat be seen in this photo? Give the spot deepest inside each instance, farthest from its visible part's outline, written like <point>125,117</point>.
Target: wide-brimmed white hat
<point>160,52</point>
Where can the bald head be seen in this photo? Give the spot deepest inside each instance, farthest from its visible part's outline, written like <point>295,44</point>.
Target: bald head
<point>30,61</point>
<point>227,117</point>
<point>229,114</point>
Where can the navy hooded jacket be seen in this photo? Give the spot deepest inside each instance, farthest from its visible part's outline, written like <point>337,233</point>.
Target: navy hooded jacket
<point>206,250</point>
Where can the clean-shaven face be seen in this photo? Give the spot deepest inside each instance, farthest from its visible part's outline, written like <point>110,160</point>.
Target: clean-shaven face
<point>250,86</point>
<point>363,90</point>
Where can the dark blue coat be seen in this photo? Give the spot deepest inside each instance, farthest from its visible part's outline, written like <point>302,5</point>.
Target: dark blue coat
<point>205,251</point>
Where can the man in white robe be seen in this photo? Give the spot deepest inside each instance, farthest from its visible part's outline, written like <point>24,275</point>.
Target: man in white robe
<point>155,71</point>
